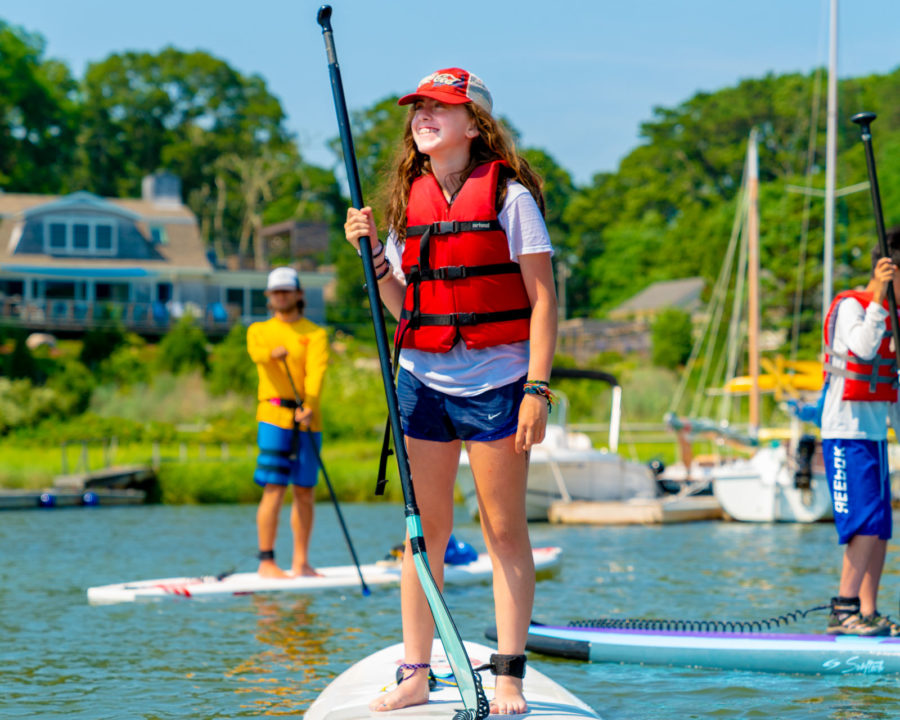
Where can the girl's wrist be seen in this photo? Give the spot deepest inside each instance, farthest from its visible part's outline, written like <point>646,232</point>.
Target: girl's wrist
<point>540,388</point>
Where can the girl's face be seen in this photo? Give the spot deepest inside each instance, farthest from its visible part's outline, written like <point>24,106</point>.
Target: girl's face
<point>440,129</point>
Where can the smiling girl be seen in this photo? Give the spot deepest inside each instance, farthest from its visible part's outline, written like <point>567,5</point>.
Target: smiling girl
<point>466,270</point>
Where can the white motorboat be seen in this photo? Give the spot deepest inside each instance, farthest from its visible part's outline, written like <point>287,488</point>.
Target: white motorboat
<point>566,466</point>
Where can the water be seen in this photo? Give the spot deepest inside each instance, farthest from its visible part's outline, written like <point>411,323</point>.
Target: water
<point>270,656</point>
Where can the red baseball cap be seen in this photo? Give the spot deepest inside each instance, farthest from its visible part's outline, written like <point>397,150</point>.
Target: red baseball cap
<point>453,86</point>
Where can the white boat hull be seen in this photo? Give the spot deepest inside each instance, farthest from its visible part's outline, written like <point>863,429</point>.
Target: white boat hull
<point>762,489</point>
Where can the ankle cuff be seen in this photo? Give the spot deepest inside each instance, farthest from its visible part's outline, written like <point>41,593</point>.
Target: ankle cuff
<point>266,555</point>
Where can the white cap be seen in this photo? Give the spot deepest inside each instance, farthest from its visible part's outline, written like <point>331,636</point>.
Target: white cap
<point>283,278</point>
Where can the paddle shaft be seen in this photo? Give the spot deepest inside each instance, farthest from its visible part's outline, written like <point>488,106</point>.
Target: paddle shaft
<point>337,507</point>
<point>864,120</point>
<point>468,681</point>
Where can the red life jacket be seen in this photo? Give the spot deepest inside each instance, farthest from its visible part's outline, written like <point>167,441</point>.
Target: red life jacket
<point>460,279</point>
<point>872,380</point>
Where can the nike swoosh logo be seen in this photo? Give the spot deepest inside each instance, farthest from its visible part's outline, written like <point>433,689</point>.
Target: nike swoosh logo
<point>491,417</point>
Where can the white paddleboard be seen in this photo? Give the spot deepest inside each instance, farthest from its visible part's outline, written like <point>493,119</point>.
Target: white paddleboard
<point>332,578</point>
<point>349,694</point>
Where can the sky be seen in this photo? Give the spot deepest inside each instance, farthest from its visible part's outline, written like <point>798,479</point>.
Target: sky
<point>575,78</point>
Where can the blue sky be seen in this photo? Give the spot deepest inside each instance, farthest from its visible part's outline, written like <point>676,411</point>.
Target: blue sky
<point>576,78</point>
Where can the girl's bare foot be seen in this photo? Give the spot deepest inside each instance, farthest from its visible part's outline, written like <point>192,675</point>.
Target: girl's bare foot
<point>268,569</point>
<point>508,698</point>
<point>305,571</point>
<point>411,691</point>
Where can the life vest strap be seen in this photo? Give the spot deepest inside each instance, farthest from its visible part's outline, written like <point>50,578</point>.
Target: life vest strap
<point>453,227</point>
<point>465,319</point>
<point>873,379</point>
<point>460,272</point>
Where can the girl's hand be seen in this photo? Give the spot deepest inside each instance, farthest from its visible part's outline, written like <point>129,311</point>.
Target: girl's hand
<point>884,273</point>
<point>532,422</point>
<point>361,223</point>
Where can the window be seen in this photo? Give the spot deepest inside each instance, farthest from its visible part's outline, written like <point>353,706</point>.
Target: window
<point>58,290</point>
<point>84,236</point>
<point>103,238</point>
<point>81,237</point>
<point>259,304</point>
<point>57,236</point>
<point>235,296</point>
<point>164,292</point>
<point>111,292</point>
<point>158,235</point>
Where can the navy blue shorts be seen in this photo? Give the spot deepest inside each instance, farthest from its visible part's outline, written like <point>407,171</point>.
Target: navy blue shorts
<point>427,414</point>
<point>860,484</point>
<point>284,460</point>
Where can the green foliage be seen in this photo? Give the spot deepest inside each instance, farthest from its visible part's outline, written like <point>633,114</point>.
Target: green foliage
<point>21,363</point>
<point>99,343</point>
<point>231,369</point>
<point>22,404</point>
<point>672,338</point>
<point>208,482</point>
<point>38,119</point>
<point>353,403</point>
<point>129,364</point>
<point>183,348</point>
<point>73,385</point>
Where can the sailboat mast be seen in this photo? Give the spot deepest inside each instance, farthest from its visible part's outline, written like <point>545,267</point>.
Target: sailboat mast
<point>753,310</point>
<point>830,159</point>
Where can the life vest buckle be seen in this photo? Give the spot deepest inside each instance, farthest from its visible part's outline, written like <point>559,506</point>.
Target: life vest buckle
<point>451,272</point>
<point>449,227</point>
<point>468,318</point>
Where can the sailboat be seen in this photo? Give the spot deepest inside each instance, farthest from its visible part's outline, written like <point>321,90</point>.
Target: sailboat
<point>783,480</point>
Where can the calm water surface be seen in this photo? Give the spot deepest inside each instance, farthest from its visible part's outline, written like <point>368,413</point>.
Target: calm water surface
<point>270,656</point>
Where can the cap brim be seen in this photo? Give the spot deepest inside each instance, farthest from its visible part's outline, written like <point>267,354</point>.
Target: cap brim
<point>444,97</point>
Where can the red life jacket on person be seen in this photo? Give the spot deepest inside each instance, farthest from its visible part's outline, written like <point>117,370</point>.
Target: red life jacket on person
<point>872,380</point>
<point>460,280</point>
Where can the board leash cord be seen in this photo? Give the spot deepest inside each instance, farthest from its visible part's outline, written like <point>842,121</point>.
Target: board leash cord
<point>697,625</point>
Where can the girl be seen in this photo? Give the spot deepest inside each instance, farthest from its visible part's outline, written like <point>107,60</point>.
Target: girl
<point>474,295</point>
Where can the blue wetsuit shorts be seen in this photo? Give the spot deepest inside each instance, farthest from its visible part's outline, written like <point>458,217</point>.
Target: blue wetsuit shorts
<point>286,457</point>
<point>427,414</point>
<point>860,484</point>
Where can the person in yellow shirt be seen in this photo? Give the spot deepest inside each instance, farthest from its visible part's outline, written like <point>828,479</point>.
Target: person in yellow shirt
<point>286,431</point>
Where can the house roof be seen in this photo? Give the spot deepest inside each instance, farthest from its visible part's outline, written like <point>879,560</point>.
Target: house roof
<point>682,293</point>
<point>183,249</point>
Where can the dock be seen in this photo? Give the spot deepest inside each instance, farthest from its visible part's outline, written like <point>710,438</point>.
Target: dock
<point>652,511</point>
<point>111,486</point>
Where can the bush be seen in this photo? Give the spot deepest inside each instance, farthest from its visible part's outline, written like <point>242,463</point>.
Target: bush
<point>73,384</point>
<point>672,337</point>
<point>127,365</point>
<point>183,348</point>
<point>99,343</point>
<point>231,368</point>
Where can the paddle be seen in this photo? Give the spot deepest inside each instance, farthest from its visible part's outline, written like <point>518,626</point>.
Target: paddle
<point>468,682</point>
<point>337,508</point>
<point>864,120</point>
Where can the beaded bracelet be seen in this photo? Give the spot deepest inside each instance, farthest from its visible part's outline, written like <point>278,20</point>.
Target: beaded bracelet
<point>542,388</point>
<point>387,268</point>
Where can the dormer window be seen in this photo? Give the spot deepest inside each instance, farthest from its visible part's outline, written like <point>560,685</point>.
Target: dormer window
<point>81,236</point>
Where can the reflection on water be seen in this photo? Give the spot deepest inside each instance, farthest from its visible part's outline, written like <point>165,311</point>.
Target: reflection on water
<point>258,656</point>
<point>293,645</point>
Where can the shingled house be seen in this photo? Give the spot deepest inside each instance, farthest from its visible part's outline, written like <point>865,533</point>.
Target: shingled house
<point>73,262</point>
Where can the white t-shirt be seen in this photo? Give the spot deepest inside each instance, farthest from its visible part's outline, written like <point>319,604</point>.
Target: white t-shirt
<point>860,331</point>
<point>463,372</point>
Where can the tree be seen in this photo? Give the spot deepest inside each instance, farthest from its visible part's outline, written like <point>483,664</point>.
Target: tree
<point>38,115</point>
<point>176,110</point>
<point>672,337</point>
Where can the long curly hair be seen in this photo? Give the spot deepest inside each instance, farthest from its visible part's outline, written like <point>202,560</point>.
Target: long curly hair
<point>493,143</point>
